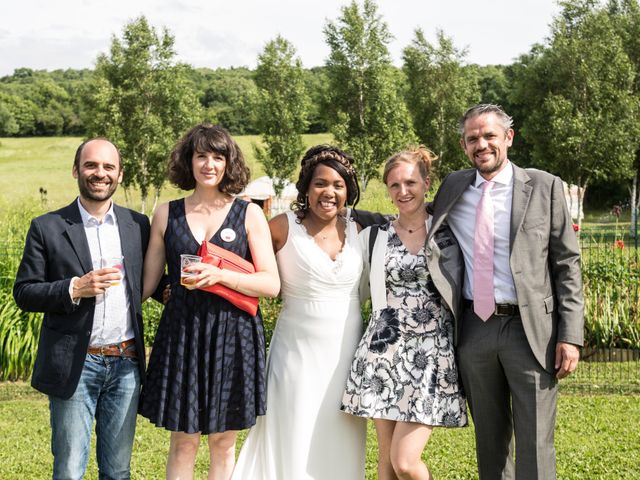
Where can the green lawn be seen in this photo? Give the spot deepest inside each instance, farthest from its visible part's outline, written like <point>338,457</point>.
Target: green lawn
<point>597,437</point>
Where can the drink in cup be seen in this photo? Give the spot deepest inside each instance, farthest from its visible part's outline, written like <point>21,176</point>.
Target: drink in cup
<point>186,261</point>
<point>114,262</point>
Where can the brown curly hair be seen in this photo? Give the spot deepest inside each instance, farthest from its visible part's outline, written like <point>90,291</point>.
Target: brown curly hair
<point>208,138</point>
<point>334,158</point>
<point>420,156</point>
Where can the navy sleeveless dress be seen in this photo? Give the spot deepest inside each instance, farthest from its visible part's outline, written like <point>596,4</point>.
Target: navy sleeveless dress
<point>206,370</point>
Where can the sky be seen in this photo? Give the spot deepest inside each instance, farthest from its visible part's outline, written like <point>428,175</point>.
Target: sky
<point>47,34</point>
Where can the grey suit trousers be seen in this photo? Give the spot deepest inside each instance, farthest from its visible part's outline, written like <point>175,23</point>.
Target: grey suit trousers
<point>508,391</point>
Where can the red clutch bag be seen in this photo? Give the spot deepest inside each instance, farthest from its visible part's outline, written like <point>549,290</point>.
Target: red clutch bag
<point>226,260</point>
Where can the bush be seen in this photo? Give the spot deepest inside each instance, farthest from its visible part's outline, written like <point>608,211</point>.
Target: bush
<point>610,274</point>
<point>19,331</point>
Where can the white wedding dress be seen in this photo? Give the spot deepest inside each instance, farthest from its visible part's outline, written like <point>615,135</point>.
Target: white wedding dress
<point>304,435</point>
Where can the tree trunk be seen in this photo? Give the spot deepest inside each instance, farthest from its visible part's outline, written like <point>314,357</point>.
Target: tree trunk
<point>581,191</point>
<point>364,181</point>
<point>156,196</point>
<point>634,207</point>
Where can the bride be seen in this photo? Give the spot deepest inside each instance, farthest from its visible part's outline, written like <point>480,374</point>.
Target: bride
<point>304,435</point>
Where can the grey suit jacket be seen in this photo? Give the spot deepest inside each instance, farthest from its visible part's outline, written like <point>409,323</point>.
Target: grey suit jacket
<point>544,258</point>
<point>56,250</point>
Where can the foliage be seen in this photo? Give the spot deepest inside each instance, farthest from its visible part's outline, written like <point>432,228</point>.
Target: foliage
<point>281,110</point>
<point>142,101</point>
<point>582,116</point>
<point>369,117</point>
<point>493,83</point>
<point>439,90</point>
<point>316,84</point>
<point>270,309</point>
<point>625,15</point>
<point>610,275</point>
<point>151,313</point>
<point>228,97</point>
<point>41,103</point>
<point>19,331</point>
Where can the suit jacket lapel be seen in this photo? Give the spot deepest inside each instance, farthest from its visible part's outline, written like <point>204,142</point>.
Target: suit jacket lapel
<point>519,202</point>
<point>449,196</point>
<point>77,236</point>
<point>129,243</point>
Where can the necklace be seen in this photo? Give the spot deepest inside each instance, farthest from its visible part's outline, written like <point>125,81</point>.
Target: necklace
<point>324,235</point>
<point>410,230</point>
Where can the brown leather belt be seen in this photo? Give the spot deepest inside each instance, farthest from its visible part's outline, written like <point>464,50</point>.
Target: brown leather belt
<point>122,349</point>
<point>501,310</point>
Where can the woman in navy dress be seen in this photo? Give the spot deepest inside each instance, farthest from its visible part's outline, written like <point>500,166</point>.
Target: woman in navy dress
<point>206,370</point>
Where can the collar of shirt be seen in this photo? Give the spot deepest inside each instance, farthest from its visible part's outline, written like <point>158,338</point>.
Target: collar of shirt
<point>504,177</point>
<point>89,220</point>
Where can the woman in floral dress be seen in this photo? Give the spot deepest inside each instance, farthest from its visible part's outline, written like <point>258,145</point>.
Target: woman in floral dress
<point>404,374</point>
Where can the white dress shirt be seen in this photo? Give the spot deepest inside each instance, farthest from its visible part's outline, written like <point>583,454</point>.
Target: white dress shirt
<point>462,220</point>
<point>111,319</point>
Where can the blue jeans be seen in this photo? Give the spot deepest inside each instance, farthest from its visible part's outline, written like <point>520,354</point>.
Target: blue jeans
<point>108,390</point>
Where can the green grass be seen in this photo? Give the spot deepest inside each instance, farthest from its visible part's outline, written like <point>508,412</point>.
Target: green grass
<point>29,164</point>
<point>597,437</point>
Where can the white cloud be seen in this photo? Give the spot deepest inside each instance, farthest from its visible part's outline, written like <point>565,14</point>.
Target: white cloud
<point>69,34</point>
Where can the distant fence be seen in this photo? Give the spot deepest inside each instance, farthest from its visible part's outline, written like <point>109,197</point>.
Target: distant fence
<point>611,357</point>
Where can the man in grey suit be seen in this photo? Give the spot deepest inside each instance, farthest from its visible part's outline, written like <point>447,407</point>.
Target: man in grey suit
<point>518,300</point>
<point>82,267</point>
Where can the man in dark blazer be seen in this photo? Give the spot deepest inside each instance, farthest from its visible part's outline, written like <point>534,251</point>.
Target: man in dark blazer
<point>82,267</point>
<point>514,345</point>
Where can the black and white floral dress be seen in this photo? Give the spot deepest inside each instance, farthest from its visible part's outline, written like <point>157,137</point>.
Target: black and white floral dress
<point>404,367</point>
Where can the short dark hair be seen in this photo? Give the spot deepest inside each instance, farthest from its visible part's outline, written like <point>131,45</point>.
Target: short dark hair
<point>207,138</point>
<point>76,159</point>
<point>484,108</point>
<point>334,158</point>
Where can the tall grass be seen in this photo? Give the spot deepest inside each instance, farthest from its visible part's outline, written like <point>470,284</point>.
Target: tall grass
<point>611,272</point>
<point>19,331</point>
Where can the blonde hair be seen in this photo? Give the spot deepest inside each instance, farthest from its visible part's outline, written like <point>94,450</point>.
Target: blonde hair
<point>420,156</point>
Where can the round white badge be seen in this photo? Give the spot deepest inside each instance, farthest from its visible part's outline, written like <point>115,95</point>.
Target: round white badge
<point>228,235</point>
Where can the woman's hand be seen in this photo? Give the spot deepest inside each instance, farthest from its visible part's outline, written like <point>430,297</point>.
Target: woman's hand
<point>204,275</point>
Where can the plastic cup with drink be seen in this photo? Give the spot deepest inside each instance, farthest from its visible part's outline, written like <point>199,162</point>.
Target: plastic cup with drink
<point>114,262</point>
<point>187,261</point>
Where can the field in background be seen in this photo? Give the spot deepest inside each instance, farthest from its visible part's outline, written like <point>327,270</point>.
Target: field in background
<point>29,164</point>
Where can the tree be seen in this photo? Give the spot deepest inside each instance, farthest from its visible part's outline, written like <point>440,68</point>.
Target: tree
<point>626,17</point>
<point>439,90</point>
<point>282,109</point>
<point>582,124</point>
<point>367,114</point>
<point>142,101</point>
<point>316,85</point>
<point>228,96</point>
<point>8,123</point>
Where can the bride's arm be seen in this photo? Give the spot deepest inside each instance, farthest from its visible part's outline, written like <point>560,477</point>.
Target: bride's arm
<point>279,227</point>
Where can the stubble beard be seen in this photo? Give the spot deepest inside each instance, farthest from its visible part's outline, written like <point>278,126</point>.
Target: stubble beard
<point>490,167</point>
<point>85,191</point>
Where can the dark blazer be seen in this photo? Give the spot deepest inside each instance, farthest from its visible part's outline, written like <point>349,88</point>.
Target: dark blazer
<point>56,250</point>
<point>544,257</point>
<point>366,218</point>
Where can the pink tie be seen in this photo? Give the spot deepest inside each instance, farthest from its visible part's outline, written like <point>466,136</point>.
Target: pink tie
<point>483,300</point>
